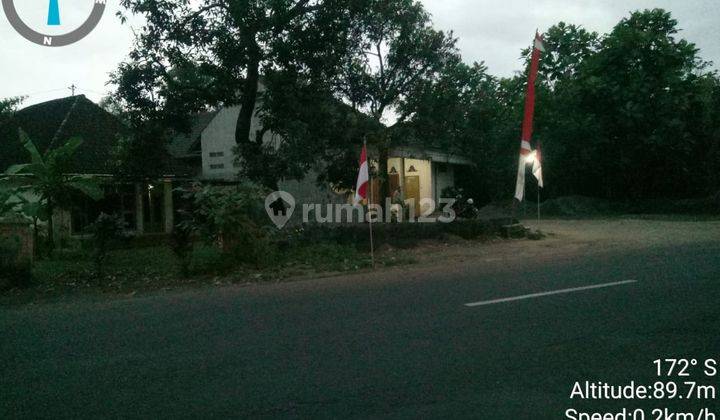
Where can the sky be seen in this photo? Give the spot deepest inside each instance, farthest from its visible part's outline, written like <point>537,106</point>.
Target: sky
<point>490,31</point>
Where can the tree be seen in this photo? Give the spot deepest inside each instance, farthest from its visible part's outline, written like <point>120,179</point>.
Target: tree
<point>639,88</point>
<point>195,55</point>
<point>8,106</point>
<point>50,178</point>
<point>394,51</point>
<point>313,131</point>
<point>569,136</point>
<point>636,103</point>
<point>567,47</point>
<point>461,112</point>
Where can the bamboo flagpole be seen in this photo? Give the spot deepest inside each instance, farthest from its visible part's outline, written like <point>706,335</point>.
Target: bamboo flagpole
<point>370,217</point>
<point>527,125</point>
<point>361,193</point>
<point>538,205</point>
<point>538,173</point>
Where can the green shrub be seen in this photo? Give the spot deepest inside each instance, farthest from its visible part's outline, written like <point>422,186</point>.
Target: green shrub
<point>234,219</point>
<point>106,231</point>
<point>326,256</point>
<point>397,235</point>
<point>181,245</point>
<point>14,273</point>
<point>208,260</point>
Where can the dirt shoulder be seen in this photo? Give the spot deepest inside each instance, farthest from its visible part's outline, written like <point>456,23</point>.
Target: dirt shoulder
<point>566,240</point>
<point>569,239</point>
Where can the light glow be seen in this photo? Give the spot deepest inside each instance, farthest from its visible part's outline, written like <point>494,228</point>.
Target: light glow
<point>531,157</point>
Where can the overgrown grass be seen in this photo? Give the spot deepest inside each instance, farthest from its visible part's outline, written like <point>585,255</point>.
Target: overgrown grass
<point>326,257</point>
<point>311,250</point>
<point>126,271</point>
<point>136,265</point>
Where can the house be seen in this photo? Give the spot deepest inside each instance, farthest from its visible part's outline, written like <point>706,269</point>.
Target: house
<point>146,205</point>
<point>209,148</point>
<point>421,173</point>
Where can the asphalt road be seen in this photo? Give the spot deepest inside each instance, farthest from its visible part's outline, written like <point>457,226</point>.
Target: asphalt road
<point>395,345</point>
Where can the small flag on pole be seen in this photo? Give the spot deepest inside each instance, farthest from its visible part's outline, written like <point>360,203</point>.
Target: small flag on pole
<point>363,178</point>
<point>361,193</point>
<point>537,165</point>
<point>527,127</point>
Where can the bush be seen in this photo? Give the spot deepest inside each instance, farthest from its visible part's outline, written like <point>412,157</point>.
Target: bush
<point>326,256</point>
<point>209,260</point>
<point>398,235</point>
<point>14,273</point>
<point>106,231</point>
<point>182,246</point>
<point>234,219</point>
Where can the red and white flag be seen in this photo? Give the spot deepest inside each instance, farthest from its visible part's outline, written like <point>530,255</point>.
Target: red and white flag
<point>363,178</point>
<point>537,165</point>
<point>527,127</point>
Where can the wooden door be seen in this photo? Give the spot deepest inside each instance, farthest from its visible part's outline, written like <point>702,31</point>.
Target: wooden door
<point>374,191</point>
<point>412,191</point>
<point>393,183</point>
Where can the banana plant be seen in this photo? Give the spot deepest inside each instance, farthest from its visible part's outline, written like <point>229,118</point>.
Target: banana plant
<point>50,179</point>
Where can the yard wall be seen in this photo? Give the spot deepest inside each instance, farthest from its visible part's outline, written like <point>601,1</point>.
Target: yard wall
<point>21,230</point>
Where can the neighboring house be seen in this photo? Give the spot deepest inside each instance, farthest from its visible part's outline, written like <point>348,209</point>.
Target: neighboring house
<point>145,205</point>
<point>422,174</point>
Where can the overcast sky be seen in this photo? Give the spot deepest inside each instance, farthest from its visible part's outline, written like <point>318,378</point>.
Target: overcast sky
<point>489,31</point>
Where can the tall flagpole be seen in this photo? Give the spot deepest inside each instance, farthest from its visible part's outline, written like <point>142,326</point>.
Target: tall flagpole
<point>527,125</point>
<point>370,197</point>
<point>538,203</point>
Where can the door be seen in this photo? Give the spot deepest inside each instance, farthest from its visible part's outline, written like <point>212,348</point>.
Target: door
<point>412,191</point>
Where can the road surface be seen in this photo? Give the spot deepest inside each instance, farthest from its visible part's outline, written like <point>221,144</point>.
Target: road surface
<point>398,344</point>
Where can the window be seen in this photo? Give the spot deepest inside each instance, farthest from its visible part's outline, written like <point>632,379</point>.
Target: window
<point>217,154</point>
<point>219,166</point>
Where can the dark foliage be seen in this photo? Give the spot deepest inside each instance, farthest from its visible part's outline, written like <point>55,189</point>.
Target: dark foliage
<point>399,235</point>
<point>107,231</point>
<point>14,272</point>
<point>631,115</point>
<point>181,243</point>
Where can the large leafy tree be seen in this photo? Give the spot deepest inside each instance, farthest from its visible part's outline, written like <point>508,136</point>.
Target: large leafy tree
<point>49,177</point>
<point>392,55</point>
<point>639,89</point>
<point>395,51</point>
<point>636,103</point>
<point>197,54</point>
<point>462,113</point>
<point>314,132</point>
<point>568,134</point>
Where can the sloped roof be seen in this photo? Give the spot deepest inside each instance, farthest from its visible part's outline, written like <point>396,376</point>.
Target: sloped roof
<point>51,124</point>
<point>184,145</point>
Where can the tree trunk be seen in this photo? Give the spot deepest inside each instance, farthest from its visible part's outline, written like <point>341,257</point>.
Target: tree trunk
<point>249,98</point>
<point>51,229</point>
<point>36,244</point>
<point>382,174</point>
